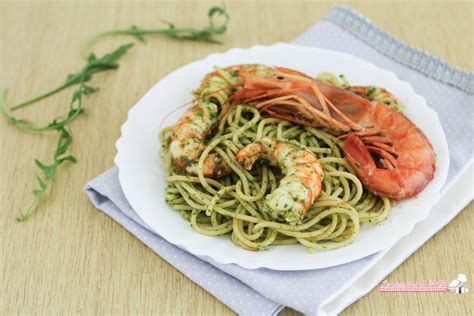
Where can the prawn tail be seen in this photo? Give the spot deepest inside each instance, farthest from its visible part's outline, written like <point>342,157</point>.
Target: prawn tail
<point>247,156</point>
<point>378,180</point>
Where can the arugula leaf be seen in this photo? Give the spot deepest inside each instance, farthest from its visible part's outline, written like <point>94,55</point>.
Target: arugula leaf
<point>49,171</point>
<point>75,109</point>
<point>93,66</point>
<point>204,35</point>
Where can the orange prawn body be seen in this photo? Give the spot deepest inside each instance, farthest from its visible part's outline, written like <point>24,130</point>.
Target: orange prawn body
<point>189,133</point>
<point>389,153</point>
<point>187,142</point>
<point>410,167</point>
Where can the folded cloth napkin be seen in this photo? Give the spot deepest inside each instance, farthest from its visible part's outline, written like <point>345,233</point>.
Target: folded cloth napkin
<point>264,291</point>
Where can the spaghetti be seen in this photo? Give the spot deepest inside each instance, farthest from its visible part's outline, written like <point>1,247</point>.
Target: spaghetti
<point>233,204</point>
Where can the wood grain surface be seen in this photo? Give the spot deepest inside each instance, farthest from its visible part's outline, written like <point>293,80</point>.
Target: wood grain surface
<point>69,258</point>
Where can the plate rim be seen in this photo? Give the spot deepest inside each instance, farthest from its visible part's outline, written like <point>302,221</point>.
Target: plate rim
<point>225,259</point>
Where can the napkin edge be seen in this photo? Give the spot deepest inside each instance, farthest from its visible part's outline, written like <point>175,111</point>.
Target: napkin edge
<point>398,50</point>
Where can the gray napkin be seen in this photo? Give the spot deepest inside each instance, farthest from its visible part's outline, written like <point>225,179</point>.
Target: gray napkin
<point>263,291</point>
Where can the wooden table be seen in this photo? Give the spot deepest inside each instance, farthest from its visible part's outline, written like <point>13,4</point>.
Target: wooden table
<point>70,258</point>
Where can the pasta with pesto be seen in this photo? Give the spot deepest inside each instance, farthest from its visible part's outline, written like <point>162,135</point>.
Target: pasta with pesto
<point>232,205</point>
<point>219,197</point>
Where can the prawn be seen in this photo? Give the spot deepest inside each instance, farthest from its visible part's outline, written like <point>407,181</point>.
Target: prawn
<point>389,153</point>
<point>398,171</point>
<point>189,133</point>
<point>187,141</point>
<point>300,186</point>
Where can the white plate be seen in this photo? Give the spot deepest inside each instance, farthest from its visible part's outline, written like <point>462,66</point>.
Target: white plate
<point>142,173</point>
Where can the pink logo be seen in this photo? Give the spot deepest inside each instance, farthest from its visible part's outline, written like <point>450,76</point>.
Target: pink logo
<point>456,286</point>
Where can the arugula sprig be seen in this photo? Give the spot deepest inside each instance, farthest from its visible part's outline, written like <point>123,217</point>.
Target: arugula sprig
<point>93,66</point>
<point>205,34</point>
<point>49,171</point>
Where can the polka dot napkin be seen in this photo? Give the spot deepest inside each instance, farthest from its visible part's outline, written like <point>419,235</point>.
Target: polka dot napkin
<point>264,292</point>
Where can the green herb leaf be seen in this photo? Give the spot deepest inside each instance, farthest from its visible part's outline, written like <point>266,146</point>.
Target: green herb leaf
<point>50,171</point>
<point>186,161</point>
<point>93,66</point>
<point>370,91</point>
<point>204,35</point>
<point>41,183</point>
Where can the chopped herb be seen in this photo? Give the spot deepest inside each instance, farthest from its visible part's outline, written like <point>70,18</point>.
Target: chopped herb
<point>344,82</point>
<point>370,91</point>
<point>212,114</point>
<point>198,112</point>
<point>186,161</point>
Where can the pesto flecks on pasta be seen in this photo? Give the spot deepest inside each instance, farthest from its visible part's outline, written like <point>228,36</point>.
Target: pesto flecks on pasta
<point>271,156</point>
<point>219,197</point>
